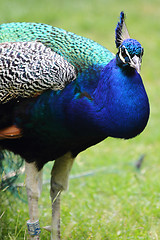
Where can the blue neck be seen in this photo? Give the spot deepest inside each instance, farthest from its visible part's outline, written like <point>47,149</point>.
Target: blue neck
<point>123,100</point>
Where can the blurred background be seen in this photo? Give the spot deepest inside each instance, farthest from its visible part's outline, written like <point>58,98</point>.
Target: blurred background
<point>109,197</point>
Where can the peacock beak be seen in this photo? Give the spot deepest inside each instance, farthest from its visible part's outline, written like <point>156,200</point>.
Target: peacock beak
<point>136,63</point>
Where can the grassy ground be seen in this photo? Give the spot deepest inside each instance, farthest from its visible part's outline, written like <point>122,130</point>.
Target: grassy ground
<point>112,200</point>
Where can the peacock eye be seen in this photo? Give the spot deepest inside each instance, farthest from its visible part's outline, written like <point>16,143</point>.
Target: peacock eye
<point>123,52</point>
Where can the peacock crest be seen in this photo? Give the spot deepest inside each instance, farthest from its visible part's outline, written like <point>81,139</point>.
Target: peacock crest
<point>121,32</point>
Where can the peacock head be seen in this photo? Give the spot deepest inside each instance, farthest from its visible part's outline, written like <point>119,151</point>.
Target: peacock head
<point>130,51</point>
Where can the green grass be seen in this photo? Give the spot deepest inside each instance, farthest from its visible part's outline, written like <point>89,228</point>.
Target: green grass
<point>115,201</point>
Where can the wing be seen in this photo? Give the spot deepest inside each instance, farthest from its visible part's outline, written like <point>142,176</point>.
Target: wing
<point>29,68</point>
<point>81,52</point>
<point>36,57</point>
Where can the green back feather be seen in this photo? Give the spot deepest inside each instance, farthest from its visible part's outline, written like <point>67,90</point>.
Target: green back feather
<point>79,51</point>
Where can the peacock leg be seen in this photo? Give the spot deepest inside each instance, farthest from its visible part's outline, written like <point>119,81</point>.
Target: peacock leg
<point>59,182</point>
<point>33,187</point>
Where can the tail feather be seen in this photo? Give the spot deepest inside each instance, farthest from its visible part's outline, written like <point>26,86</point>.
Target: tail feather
<point>11,167</point>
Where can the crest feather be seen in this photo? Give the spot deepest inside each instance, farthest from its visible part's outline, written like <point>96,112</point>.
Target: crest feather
<point>121,32</point>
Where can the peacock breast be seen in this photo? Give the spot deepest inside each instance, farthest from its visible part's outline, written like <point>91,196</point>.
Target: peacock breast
<point>126,106</point>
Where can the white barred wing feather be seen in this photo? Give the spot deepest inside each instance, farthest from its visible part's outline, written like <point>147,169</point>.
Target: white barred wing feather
<point>29,68</point>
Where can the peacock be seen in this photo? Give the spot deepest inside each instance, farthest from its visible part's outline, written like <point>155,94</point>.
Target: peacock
<point>61,93</point>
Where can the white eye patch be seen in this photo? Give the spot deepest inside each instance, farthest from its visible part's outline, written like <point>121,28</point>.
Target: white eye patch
<point>126,53</point>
